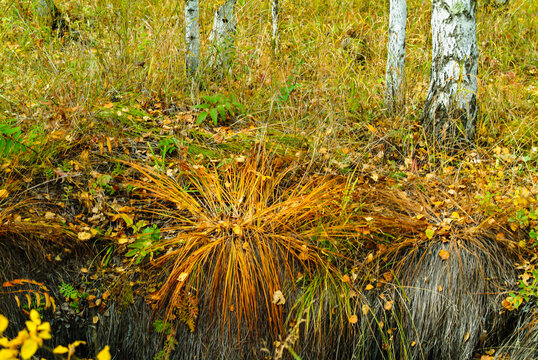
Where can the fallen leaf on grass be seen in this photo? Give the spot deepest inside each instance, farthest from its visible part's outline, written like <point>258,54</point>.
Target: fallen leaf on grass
<point>3,193</point>
<point>84,236</point>
<point>444,255</point>
<point>278,298</point>
<point>353,319</point>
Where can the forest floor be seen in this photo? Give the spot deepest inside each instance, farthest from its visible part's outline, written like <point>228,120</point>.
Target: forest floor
<point>295,198</point>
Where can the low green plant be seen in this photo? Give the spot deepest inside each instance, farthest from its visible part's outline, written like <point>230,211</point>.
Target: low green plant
<point>102,183</point>
<point>167,146</point>
<point>144,243</point>
<point>161,326</point>
<point>286,90</point>
<point>73,295</point>
<point>14,141</point>
<point>528,289</point>
<point>218,107</point>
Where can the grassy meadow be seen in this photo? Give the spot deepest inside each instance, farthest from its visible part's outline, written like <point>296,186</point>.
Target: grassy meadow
<point>301,222</point>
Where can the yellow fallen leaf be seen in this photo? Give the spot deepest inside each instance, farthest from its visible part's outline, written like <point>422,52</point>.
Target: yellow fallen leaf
<point>346,279</point>
<point>3,193</point>
<point>28,348</point>
<point>237,229</point>
<point>365,309</point>
<point>60,350</point>
<point>182,276</point>
<point>278,298</point>
<point>353,319</point>
<point>104,354</point>
<point>3,323</point>
<point>430,233</point>
<point>444,255</point>
<point>507,304</point>
<point>467,336</point>
<point>84,236</point>
<point>388,305</point>
<point>123,240</point>
<point>108,105</point>
<point>8,354</point>
<point>369,287</point>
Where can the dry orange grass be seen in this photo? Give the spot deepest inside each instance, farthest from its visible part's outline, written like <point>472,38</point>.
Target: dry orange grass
<point>244,231</point>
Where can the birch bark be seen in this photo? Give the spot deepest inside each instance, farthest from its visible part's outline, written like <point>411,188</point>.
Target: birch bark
<point>449,114</point>
<point>192,36</point>
<point>395,73</point>
<point>47,10</point>
<point>222,36</point>
<point>274,12</point>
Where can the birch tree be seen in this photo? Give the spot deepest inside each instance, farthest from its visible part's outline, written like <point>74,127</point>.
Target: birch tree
<point>222,36</point>
<point>449,114</point>
<point>274,12</point>
<point>49,12</point>
<point>395,73</point>
<point>192,36</point>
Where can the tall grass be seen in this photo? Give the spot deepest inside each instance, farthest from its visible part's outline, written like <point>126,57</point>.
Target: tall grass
<point>121,50</point>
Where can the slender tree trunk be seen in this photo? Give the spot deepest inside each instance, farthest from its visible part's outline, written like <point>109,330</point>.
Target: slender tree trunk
<point>222,36</point>
<point>449,115</point>
<point>395,73</point>
<point>46,9</point>
<point>192,36</point>
<point>274,12</point>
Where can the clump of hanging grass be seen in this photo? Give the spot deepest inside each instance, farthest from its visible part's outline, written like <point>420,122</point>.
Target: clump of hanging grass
<point>246,234</point>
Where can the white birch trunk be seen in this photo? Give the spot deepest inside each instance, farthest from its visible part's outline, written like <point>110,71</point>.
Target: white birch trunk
<point>395,73</point>
<point>450,109</point>
<point>222,36</point>
<point>274,12</point>
<point>49,13</point>
<point>192,36</point>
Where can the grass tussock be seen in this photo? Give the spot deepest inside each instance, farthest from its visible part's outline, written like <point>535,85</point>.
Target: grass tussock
<point>243,233</point>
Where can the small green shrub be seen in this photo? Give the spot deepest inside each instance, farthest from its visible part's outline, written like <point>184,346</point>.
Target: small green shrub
<point>528,289</point>
<point>13,141</point>
<point>219,108</point>
<point>143,243</point>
